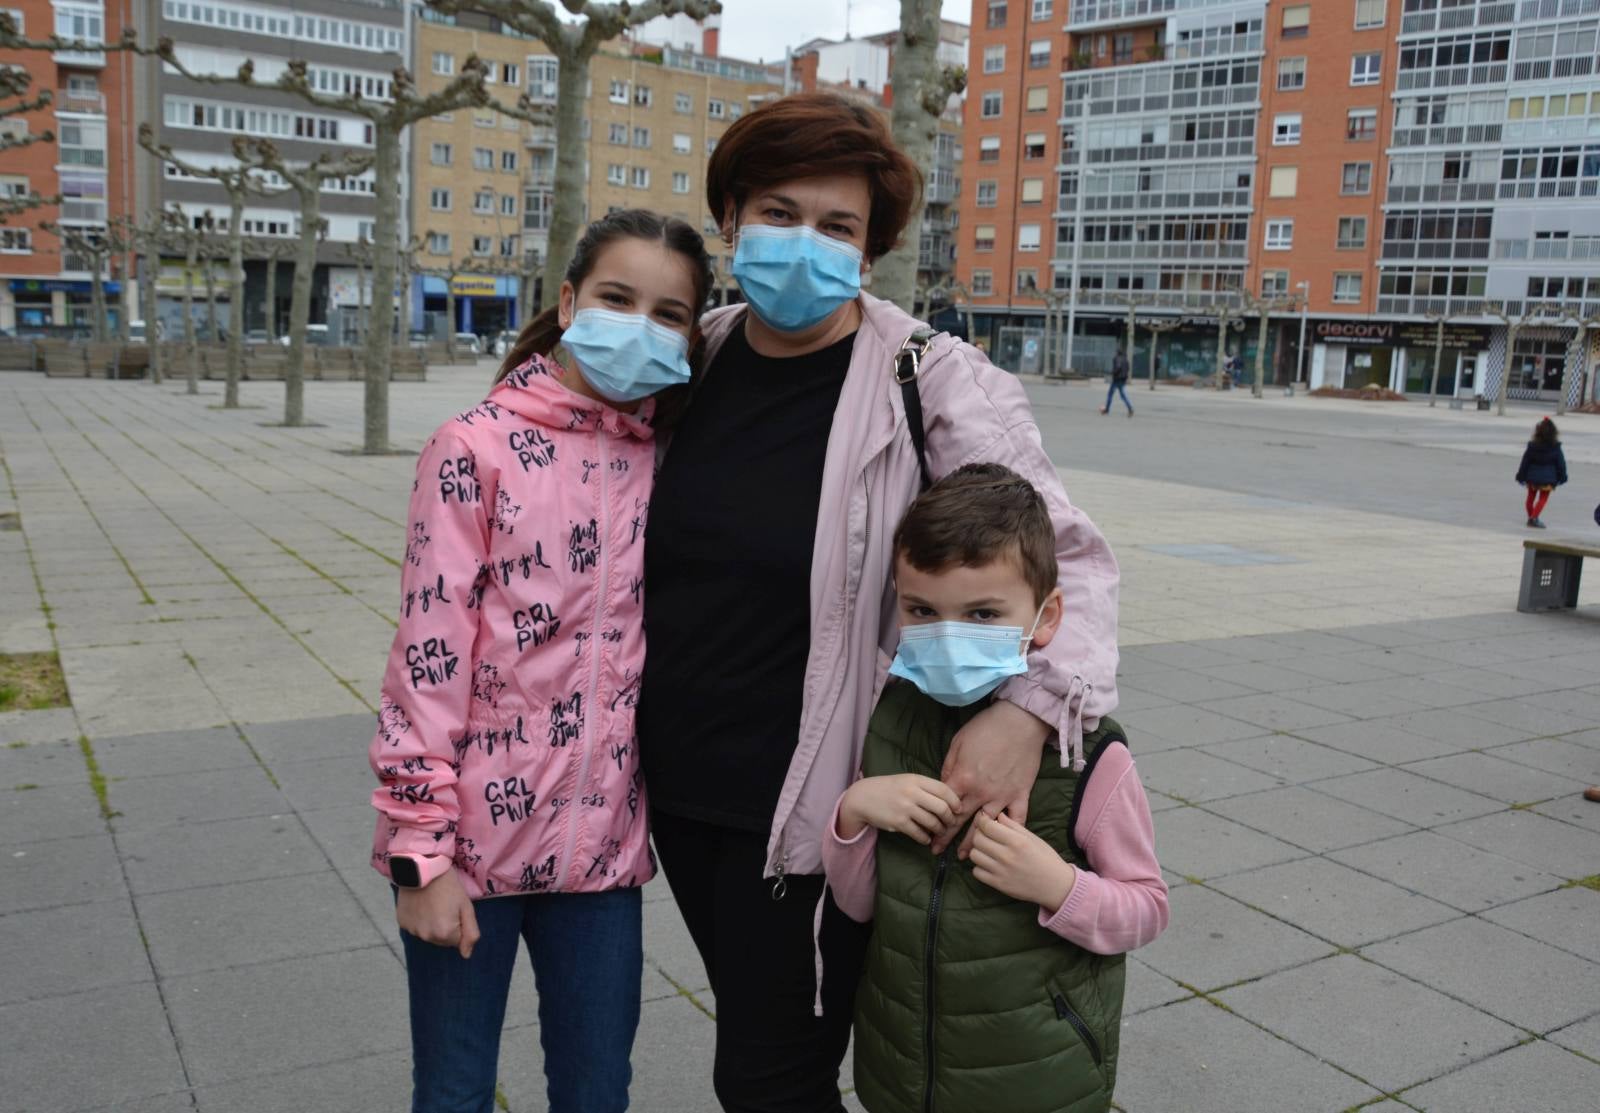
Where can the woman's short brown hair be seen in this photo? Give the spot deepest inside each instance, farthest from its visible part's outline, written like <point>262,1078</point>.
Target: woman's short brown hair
<point>809,135</point>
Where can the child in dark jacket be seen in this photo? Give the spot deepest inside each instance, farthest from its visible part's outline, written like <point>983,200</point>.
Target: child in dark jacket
<point>1543,469</point>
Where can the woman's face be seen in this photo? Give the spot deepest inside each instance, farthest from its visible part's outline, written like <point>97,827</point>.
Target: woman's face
<point>645,277</point>
<point>837,205</point>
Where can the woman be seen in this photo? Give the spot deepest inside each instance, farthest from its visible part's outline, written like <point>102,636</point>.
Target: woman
<point>770,608</point>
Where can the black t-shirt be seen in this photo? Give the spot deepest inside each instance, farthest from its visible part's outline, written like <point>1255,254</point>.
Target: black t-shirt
<point>728,583</point>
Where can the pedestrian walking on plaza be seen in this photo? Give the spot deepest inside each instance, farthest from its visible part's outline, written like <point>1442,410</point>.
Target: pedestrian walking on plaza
<point>1027,1013</point>
<point>511,802</point>
<point>1119,383</point>
<point>1543,469</point>
<point>771,602</point>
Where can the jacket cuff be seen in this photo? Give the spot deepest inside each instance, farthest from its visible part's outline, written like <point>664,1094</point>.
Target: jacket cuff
<point>419,843</point>
<point>1063,714</point>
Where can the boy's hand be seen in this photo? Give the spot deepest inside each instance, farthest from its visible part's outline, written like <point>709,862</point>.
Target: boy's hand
<point>916,806</point>
<point>1009,857</point>
<point>440,913</point>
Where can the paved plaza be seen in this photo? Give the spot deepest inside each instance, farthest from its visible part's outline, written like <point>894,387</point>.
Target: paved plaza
<point>1366,766</point>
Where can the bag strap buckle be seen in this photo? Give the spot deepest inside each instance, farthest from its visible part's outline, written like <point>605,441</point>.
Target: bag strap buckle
<point>908,358</point>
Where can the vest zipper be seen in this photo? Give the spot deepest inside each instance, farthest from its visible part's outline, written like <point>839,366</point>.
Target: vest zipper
<point>934,899</point>
<point>1065,1012</point>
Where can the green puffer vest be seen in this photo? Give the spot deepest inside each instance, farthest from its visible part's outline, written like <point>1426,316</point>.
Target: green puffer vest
<point>967,1005</point>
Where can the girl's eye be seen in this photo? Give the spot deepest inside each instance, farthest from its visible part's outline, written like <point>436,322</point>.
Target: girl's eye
<point>669,317</point>
<point>613,298</point>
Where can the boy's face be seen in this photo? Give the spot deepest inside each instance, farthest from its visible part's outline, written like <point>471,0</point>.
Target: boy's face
<point>993,594</point>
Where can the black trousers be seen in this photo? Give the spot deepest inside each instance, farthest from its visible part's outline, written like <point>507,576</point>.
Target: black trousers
<point>774,1054</point>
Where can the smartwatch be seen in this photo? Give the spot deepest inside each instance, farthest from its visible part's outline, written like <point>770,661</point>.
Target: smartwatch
<point>413,871</point>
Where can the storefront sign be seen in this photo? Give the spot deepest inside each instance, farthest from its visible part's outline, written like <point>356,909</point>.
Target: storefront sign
<point>473,286</point>
<point>59,286</point>
<point>1399,334</point>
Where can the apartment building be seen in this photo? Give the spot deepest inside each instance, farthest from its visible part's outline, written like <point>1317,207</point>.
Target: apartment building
<point>349,46</point>
<point>45,286</point>
<point>484,185</point>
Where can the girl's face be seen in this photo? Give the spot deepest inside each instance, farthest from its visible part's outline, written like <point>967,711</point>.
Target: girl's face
<point>836,205</point>
<point>637,276</point>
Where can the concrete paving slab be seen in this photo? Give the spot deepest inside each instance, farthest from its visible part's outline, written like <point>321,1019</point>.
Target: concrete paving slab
<point>1289,759</point>
<point>147,803</point>
<point>1563,757</point>
<point>1148,988</point>
<point>670,949</point>
<point>1193,774</point>
<point>1502,972</point>
<point>1454,726</point>
<point>378,1083</point>
<point>52,952</point>
<point>1380,740</point>
<point>1197,843</point>
<point>169,753</point>
<point>1334,902</point>
<point>1582,1037</point>
<point>326,783</point>
<point>1490,775</point>
<point>1529,717</point>
<point>344,833</point>
<point>1381,1027</point>
<point>41,763</point>
<point>1525,836</point>
<point>1567,918</point>
<point>55,724</point>
<point>61,871</point>
<point>160,860</point>
<point>303,739</point>
<point>1536,1076</point>
<point>1186,726</point>
<point>1572,809</point>
<point>1261,676</point>
<point>1275,712</point>
<point>1309,819</point>
<point>1215,941</point>
<point>1183,686</point>
<point>180,1102</point>
<point>1448,871</point>
<point>1406,796</point>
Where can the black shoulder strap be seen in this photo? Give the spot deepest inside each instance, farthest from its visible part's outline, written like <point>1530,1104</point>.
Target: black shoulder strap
<point>906,362</point>
<point>1100,740</point>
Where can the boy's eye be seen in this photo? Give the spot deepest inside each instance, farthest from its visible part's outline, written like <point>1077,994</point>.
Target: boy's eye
<point>917,610</point>
<point>984,614</point>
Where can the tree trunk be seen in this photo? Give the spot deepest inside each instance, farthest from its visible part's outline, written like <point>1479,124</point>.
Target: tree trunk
<point>566,209</point>
<point>147,294</point>
<point>191,258</point>
<point>1438,358</point>
<point>1155,342</point>
<point>1261,355</point>
<point>305,266</point>
<point>230,393</point>
<point>270,323</point>
<point>1133,335</point>
<point>124,332</point>
<point>450,315</point>
<point>363,317</point>
<point>403,270</point>
<point>919,99</point>
<point>1505,377</point>
<point>211,298</point>
<point>385,229</point>
<point>1223,318</point>
<point>97,297</point>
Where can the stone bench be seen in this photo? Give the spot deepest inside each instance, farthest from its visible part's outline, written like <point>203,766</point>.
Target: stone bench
<point>1550,574</point>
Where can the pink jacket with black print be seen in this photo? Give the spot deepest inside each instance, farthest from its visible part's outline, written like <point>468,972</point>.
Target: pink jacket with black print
<point>506,736</point>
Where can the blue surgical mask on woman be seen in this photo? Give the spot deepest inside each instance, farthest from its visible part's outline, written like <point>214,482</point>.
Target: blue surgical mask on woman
<point>626,356</point>
<point>958,663</point>
<point>794,276</point>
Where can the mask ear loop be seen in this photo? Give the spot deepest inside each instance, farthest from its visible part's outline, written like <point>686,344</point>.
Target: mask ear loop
<point>1027,638</point>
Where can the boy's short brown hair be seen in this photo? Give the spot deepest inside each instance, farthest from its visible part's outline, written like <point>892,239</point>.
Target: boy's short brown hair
<point>977,514</point>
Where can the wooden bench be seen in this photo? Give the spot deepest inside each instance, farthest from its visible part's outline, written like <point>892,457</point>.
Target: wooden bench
<point>1550,574</point>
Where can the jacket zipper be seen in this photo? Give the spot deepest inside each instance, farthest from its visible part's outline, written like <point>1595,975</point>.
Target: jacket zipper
<point>1065,1012</point>
<point>934,899</point>
<point>595,643</point>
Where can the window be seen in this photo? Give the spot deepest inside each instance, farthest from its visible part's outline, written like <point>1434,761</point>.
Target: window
<point>485,118</point>
<point>997,14</point>
<point>1042,9</point>
<point>994,59</point>
<point>510,73</point>
<point>1027,281</point>
<point>439,200</point>
<point>16,19</point>
<point>1366,69</point>
<point>989,149</point>
<point>983,237</point>
<point>1027,237</point>
<point>1356,177</point>
<point>1286,129</point>
<point>1122,48</point>
<point>641,137</point>
<point>1352,232</point>
<point>1361,124</point>
<point>618,92</point>
<point>680,182</point>
<point>1291,73</point>
<point>508,162</point>
<point>438,243</point>
<point>1297,21</point>
<point>483,201</point>
<point>990,106</point>
<point>1347,287</point>
<point>983,282</point>
<point>616,174</point>
<point>617,135</point>
<point>643,96</point>
<point>13,186</point>
<point>482,158</point>
<point>683,102</point>
<point>1033,145</point>
<point>1038,54</point>
<point>1283,181</point>
<point>1369,13</point>
<point>716,109</point>
<point>440,154</point>
<point>1280,235</point>
<point>508,247</point>
<point>16,241</point>
<point>1274,284</point>
<point>80,22</point>
<point>988,193</point>
<point>711,145</point>
<point>641,177</point>
<point>482,245</point>
<point>1038,98</point>
<point>444,64</point>
<point>1032,190</point>
<point>508,204</point>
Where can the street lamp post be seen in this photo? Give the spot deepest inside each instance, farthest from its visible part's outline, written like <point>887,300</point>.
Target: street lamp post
<point>1300,352</point>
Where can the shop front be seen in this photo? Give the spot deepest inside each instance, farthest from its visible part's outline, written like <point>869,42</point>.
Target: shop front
<point>1398,355</point>
<point>485,304</point>
<point>60,306</point>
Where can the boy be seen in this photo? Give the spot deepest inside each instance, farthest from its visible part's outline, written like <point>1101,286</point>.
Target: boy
<point>994,982</point>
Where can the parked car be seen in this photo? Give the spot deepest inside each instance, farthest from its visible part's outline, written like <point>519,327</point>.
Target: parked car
<point>469,341</point>
<point>256,336</point>
<point>317,335</point>
<point>503,342</point>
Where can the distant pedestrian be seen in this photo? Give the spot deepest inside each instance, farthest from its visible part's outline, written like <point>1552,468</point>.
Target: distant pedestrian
<point>1543,469</point>
<point>511,806</point>
<point>1119,383</point>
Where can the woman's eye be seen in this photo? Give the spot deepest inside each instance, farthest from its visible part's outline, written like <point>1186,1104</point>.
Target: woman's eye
<point>843,231</point>
<point>777,214</point>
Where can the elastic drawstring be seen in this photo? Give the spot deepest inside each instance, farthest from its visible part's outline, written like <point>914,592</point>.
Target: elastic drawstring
<point>1070,732</point>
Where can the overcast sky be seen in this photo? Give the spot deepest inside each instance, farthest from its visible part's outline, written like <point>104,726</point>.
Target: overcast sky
<point>760,29</point>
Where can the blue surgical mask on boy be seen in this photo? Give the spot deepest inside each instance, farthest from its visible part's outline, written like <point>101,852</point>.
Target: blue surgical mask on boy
<point>958,663</point>
<point>794,276</point>
<point>626,356</point>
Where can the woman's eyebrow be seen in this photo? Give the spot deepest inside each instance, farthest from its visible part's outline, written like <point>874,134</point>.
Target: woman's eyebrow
<point>622,286</point>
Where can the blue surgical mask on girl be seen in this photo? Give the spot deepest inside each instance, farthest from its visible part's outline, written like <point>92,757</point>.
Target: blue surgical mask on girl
<point>626,356</point>
<point>794,276</point>
<point>958,663</point>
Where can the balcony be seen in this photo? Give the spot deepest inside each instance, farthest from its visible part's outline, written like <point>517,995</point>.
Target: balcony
<point>79,102</point>
<point>540,135</point>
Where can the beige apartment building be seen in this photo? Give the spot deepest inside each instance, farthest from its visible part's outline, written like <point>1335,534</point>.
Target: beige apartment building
<point>482,184</point>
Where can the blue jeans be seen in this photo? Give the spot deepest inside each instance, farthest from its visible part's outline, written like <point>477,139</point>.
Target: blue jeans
<point>588,959</point>
<point>1116,389</point>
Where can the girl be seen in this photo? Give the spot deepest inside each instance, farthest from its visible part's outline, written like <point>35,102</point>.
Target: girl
<point>1543,469</point>
<point>511,803</point>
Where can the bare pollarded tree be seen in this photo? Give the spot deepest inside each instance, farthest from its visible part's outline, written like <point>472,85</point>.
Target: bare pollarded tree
<point>92,249</point>
<point>1262,309</point>
<point>574,44</point>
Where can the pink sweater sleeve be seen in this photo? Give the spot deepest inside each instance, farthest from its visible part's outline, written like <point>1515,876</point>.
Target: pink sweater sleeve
<point>1120,902</point>
<point>851,866</point>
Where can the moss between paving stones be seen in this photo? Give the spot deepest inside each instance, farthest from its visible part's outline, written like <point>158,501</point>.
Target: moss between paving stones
<point>31,682</point>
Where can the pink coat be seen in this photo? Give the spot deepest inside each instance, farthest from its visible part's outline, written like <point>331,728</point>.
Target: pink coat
<point>506,734</point>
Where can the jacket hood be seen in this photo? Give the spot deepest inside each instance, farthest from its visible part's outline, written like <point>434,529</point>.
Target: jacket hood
<point>535,391</point>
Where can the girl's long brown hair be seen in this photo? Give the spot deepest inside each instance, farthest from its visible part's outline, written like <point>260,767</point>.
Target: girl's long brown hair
<point>541,334</point>
<point>1544,433</point>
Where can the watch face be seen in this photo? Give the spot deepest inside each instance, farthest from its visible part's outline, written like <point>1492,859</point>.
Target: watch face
<point>403,871</point>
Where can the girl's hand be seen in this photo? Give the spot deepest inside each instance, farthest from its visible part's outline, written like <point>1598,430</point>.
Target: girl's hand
<point>1010,858</point>
<point>916,806</point>
<point>439,913</point>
